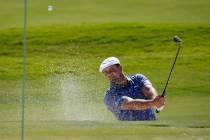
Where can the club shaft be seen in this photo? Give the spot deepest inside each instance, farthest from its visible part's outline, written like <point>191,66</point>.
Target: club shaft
<point>169,76</point>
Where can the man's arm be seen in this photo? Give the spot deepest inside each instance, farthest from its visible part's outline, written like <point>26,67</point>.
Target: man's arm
<point>149,91</point>
<point>141,104</point>
<point>153,101</point>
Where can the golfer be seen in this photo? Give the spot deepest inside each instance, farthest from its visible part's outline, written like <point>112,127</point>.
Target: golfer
<point>129,98</point>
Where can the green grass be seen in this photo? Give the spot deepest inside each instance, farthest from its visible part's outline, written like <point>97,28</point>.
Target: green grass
<point>100,131</point>
<point>104,11</point>
<point>144,43</point>
<point>65,90</point>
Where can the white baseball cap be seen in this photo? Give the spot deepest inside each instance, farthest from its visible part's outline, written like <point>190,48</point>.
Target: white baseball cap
<point>108,62</point>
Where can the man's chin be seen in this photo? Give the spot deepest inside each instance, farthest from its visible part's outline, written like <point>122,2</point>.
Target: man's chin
<point>114,81</point>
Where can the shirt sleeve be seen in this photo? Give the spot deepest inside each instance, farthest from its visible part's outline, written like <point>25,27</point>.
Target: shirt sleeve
<point>142,80</point>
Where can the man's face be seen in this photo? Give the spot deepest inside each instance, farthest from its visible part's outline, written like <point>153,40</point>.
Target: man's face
<point>113,73</point>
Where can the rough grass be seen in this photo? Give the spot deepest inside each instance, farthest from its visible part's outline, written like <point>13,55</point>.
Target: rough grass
<point>140,46</point>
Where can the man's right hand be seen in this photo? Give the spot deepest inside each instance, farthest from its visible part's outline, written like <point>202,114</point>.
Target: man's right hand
<point>159,101</point>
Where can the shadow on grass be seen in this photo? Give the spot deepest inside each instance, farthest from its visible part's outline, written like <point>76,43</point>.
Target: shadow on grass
<point>159,125</point>
<point>198,126</point>
<point>167,125</point>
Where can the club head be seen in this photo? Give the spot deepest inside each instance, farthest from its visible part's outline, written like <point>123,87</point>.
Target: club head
<point>177,40</point>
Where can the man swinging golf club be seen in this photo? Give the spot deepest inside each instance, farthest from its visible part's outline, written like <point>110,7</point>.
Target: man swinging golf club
<point>130,98</point>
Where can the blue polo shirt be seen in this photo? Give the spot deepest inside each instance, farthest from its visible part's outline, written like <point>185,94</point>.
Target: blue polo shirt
<point>113,99</point>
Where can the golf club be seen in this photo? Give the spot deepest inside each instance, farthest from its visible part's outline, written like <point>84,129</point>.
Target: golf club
<point>178,41</point>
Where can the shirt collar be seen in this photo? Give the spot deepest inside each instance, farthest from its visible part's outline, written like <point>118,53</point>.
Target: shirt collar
<point>114,85</point>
